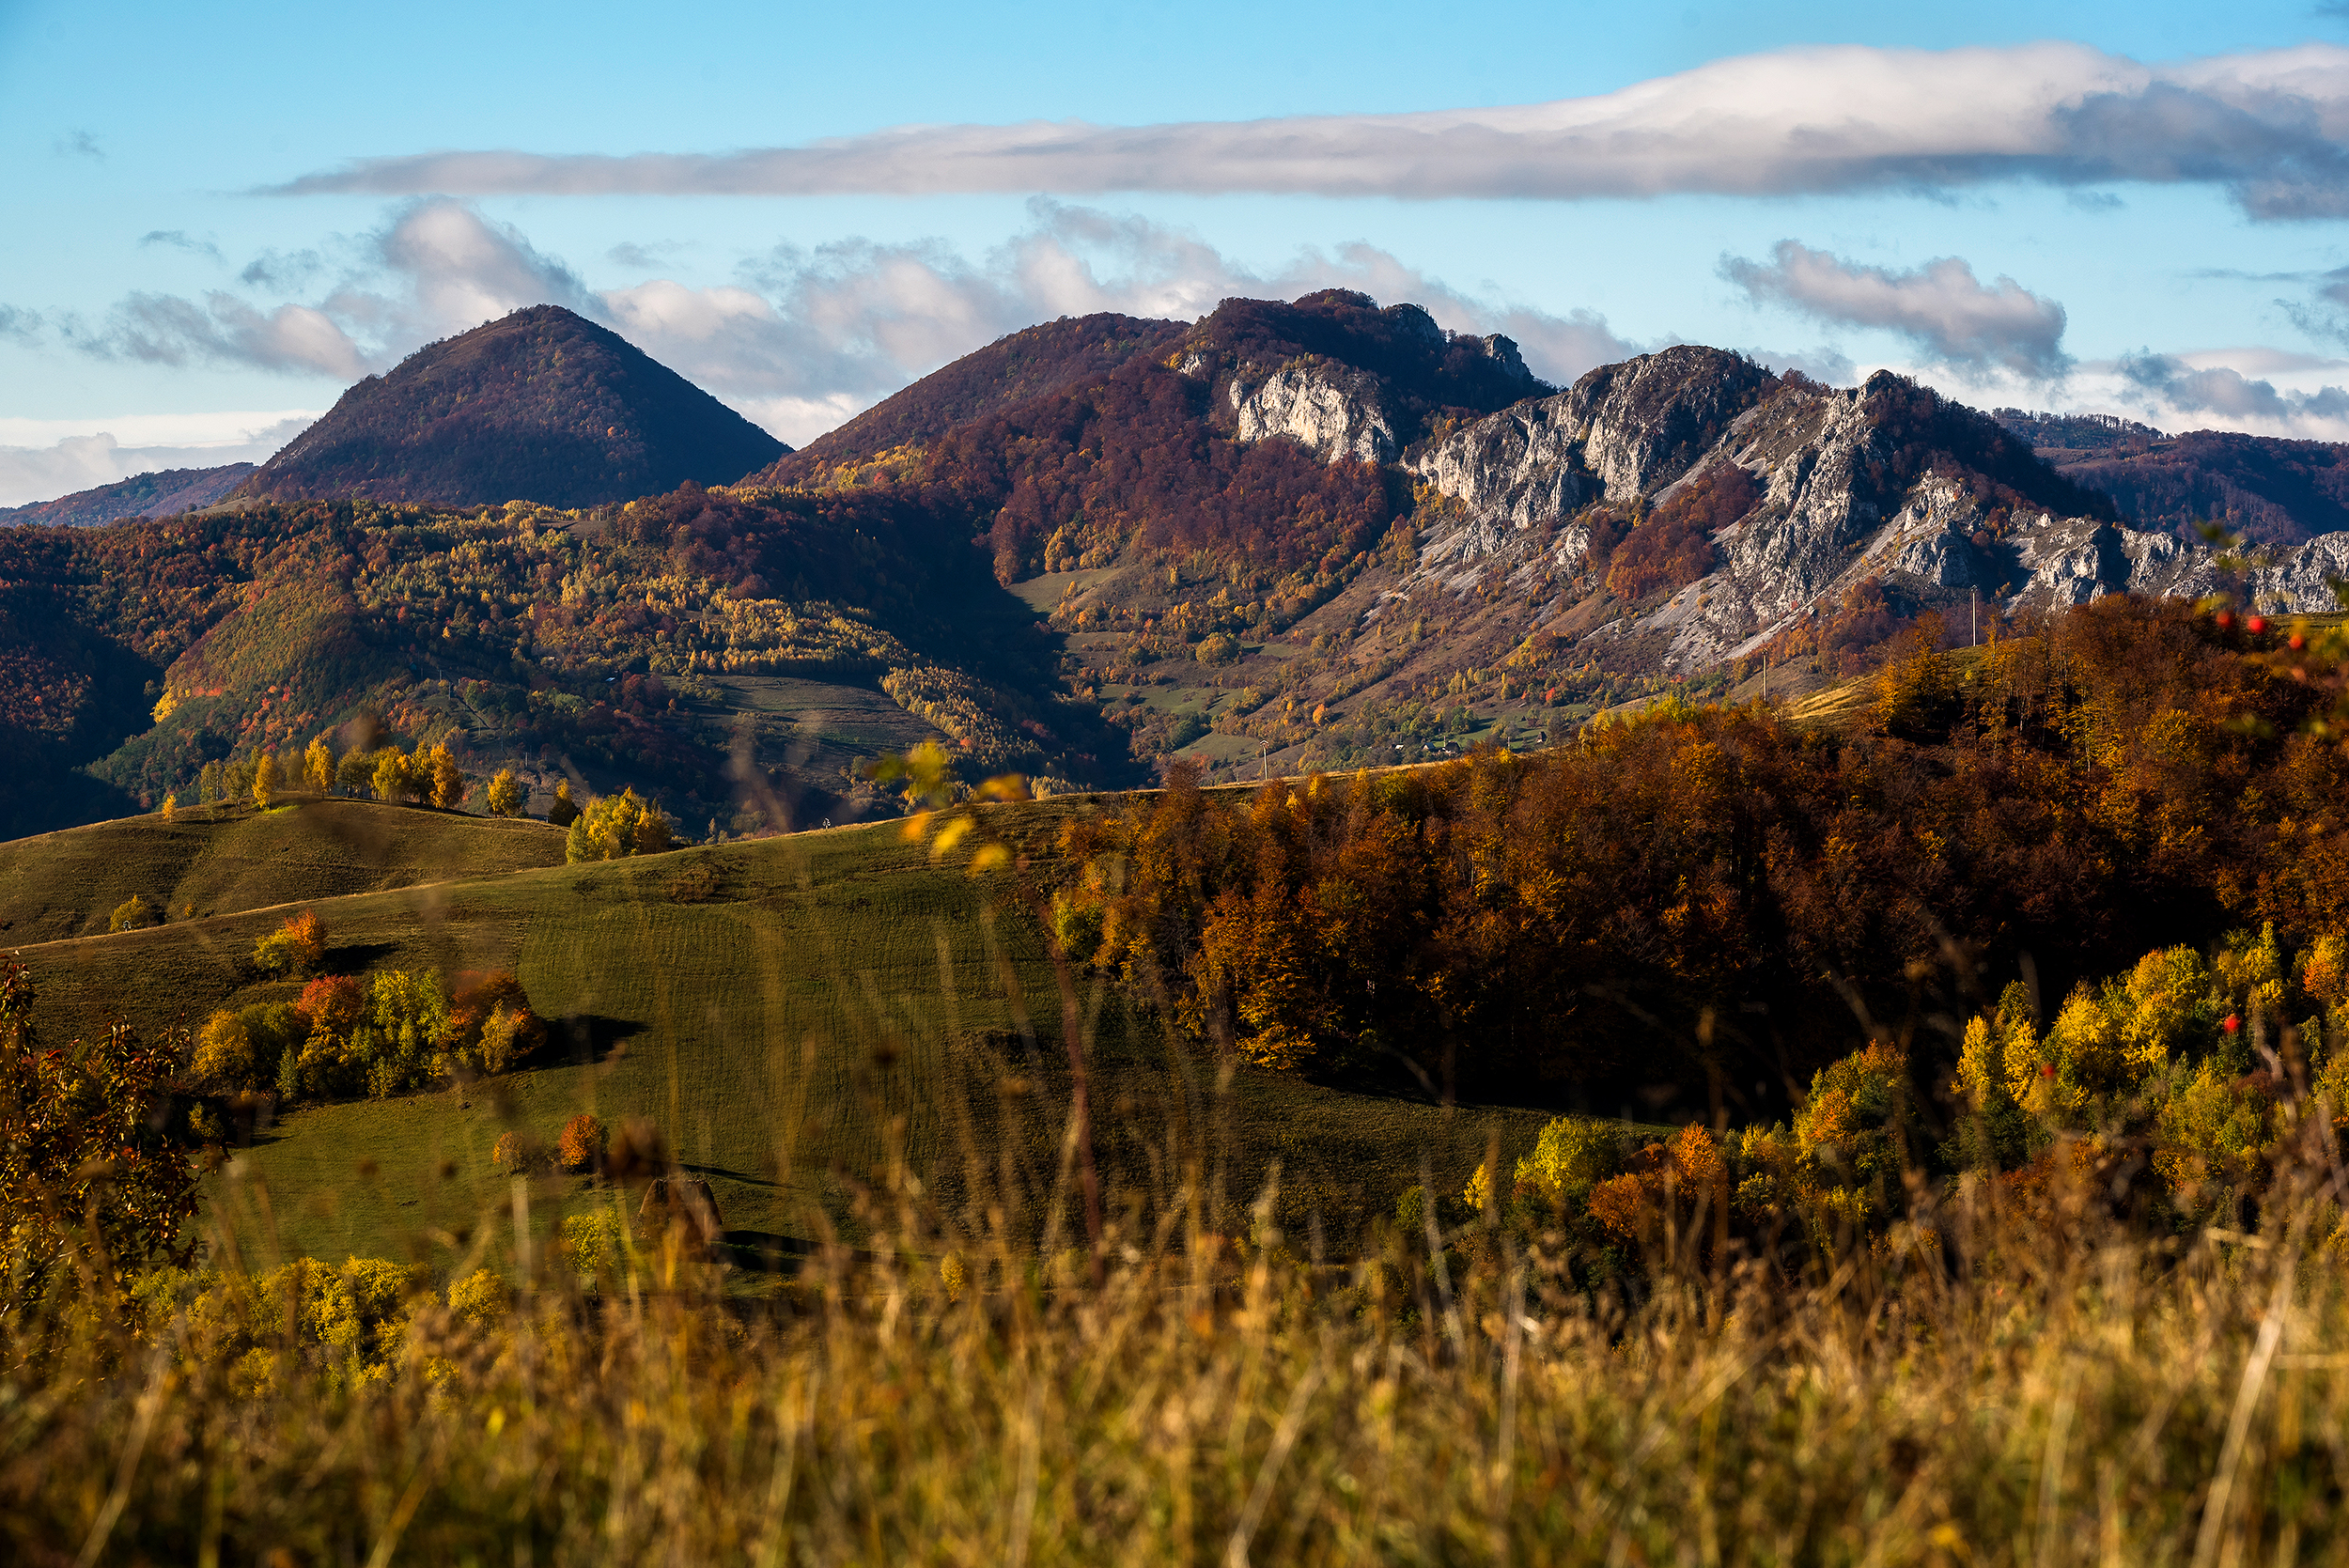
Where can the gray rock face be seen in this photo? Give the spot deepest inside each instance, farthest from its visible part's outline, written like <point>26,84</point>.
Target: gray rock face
<point>1834,512</point>
<point>1333,410</point>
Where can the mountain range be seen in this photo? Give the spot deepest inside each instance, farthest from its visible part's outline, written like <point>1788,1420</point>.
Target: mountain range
<point>1317,533</point>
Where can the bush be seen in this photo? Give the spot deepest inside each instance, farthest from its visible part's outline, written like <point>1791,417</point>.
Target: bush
<point>583,1143</point>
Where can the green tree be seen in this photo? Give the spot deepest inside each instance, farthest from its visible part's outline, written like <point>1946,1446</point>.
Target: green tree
<point>356,773</point>
<point>208,784</point>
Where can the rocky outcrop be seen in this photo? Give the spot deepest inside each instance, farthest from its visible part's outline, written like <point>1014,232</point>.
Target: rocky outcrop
<point>1868,485</point>
<point>1333,410</point>
<point>1645,422</point>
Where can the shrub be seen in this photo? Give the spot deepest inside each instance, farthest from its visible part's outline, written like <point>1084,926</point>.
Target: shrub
<point>583,1143</point>
<point>133,913</point>
<point>296,947</point>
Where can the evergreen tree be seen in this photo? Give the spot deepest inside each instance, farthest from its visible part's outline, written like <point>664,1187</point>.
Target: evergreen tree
<point>565,811</point>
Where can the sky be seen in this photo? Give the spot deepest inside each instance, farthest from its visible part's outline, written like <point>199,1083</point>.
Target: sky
<point>215,218</point>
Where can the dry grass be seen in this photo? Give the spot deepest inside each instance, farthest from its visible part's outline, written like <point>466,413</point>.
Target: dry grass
<point>2041,1386</point>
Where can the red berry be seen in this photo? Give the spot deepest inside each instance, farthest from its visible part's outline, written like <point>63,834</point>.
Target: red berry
<point>2257,623</point>
<point>2298,642</point>
<point>2231,1024</point>
<point>2226,620</point>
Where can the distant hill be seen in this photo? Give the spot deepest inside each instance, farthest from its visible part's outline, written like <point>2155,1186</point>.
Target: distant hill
<point>2069,433</point>
<point>1008,371</point>
<point>539,406</point>
<point>2268,489</point>
<point>223,859</point>
<point>165,493</point>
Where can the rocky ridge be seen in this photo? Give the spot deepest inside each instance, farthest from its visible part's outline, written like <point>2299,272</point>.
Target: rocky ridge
<point>1886,488</point>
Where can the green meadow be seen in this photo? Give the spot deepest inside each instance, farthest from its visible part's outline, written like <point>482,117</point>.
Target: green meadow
<point>792,1014</point>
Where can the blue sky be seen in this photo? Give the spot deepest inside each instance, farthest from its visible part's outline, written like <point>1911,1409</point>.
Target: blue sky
<point>165,299</point>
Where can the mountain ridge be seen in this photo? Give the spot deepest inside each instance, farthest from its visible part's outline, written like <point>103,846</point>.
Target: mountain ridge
<point>163,492</point>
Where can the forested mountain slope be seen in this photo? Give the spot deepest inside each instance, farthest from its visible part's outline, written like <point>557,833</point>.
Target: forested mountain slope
<point>539,405</point>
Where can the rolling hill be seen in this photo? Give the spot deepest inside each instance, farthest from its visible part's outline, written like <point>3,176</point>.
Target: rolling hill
<point>541,405</point>
<point>164,493</point>
<point>226,858</point>
<point>777,1007</point>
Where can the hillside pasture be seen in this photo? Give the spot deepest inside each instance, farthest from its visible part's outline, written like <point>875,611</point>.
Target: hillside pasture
<point>794,1015</point>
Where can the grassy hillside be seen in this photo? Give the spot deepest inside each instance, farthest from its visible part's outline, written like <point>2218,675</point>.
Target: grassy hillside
<point>220,859</point>
<point>831,996</point>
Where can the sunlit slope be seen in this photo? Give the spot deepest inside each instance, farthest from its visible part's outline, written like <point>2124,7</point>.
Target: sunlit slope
<point>809,1005</point>
<point>220,859</point>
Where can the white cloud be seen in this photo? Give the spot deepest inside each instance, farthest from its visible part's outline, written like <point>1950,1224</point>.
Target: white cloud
<point>2270,127</point>
<point>1951,316</point>
<point>2185,393</point>
<point>61,457</point>
<point>812,336</point>
<point>436,268</point>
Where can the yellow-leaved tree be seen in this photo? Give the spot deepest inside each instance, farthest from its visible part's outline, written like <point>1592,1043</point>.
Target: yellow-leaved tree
<point>265,779</point>
<point>615,825</point>
<point>444,780</point>
<point>505,794</point>
<point>317,765</point>
<point>394,774</point>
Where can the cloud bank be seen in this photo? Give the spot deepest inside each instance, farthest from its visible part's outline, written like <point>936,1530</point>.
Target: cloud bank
<point>2271,129</point>
<point>1951,317</point>
<point>81,462</point>
<point>805,338</point>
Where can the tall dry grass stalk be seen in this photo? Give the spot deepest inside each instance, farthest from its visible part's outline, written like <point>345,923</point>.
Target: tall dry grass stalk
<point>1987,1385</point>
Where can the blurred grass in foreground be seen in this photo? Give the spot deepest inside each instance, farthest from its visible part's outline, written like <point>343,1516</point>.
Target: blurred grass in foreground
<point>1986,1384</point>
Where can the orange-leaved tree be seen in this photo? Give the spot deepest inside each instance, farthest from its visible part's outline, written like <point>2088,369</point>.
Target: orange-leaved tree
<point>583,1143</point>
